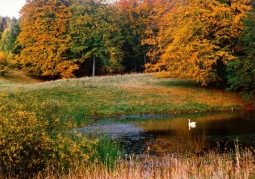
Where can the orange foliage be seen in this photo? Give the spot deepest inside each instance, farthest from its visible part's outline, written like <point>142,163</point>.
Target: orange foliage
<point>192,39</point>
<point>44,38</point>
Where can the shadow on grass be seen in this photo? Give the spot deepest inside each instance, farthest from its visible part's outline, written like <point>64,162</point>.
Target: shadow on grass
<point>189,84</point>
<point>22,77</point>
<point>179,83</point>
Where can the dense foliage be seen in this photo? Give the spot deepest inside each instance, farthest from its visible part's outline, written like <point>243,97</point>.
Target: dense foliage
<point>95,34</point>
<point>196,40</point>
<point>44,39</point>
<point>241,71</point>
<point>36,136</point>
<point>207,41</point>
<point>9,30</point>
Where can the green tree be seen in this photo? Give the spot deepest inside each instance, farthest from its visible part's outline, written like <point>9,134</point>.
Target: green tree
<point>7,43</point>
<point>134,18</point>
<point>241,72</point>
<point>9,36</point>
<point>95,33</point>
<point>44,39</point>
<point>3,24</point>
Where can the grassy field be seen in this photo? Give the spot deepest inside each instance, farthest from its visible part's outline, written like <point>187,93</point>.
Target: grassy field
<point>122,95</point>
<point>33,113</point>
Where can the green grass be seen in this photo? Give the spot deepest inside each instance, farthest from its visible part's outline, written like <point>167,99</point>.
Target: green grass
<point>83,98</point>
<point>109,152</point>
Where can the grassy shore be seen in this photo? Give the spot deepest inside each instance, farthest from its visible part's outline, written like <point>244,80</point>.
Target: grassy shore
<point>35,110</point>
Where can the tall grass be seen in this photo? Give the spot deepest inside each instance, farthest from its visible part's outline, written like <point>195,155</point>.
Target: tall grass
<point>213,165</point>
<point>109,152</point>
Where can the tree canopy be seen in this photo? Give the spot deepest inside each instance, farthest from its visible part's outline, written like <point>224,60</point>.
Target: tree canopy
<point>44,38</point>
<point>241,71</point>
<point>195,40</point>
<point>9,36</point>
<point>206,41</point>
<point>95,33</point>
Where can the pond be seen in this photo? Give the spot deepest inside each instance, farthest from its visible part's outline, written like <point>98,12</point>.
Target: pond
<point>170,134</point>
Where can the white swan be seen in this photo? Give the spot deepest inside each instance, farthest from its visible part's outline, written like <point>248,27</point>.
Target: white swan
<point>192,124</point>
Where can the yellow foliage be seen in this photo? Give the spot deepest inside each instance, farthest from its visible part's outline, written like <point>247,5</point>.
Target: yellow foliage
<point>2,56</point>
<point>44,38</point>
<point>67,68</point>
<point>193,37</point>
<point>32,139</point>
<point>3,63</point>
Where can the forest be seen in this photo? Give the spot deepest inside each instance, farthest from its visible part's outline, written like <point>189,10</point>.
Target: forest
<point>209,41</point>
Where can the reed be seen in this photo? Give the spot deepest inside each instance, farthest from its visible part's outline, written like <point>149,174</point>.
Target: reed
<point>108,152</point>
<point>209,165</point>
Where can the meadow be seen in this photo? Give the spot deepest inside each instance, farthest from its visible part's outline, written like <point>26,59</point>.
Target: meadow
<point>37,117</point>
<point>122,95</point>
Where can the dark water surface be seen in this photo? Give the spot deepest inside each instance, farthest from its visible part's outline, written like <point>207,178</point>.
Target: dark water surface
<point>170,134</point>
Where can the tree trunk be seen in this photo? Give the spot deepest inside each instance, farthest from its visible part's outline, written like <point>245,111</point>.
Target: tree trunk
<point>145,60</point>
<point>94,65</point>
<point>135,65</point>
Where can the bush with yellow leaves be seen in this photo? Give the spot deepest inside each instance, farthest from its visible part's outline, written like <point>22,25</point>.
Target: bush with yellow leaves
<point>24,144</point>
<point>3,63</point>
<point>31,143</point>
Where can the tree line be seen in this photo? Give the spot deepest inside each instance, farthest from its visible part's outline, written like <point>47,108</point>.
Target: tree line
<point>210,41</point>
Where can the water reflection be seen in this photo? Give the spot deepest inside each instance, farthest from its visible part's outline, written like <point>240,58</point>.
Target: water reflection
<point>172,134</point>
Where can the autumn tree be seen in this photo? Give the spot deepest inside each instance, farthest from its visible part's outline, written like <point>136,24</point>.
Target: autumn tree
<point>196,39</point>
<point>157,25</point>
<point>3,63</point>
<point>44,39</point>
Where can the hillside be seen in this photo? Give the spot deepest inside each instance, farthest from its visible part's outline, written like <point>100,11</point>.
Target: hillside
<point>120,95</point>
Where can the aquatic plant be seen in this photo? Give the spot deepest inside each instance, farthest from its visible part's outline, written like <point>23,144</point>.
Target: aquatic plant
<point>108,152</point>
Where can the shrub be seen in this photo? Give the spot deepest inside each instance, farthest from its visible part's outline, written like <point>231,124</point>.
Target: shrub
<point>73,152</point>
<point>32,139</point>
<point>25,147</point>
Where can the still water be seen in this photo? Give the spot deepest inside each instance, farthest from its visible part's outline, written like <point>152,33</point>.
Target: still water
<point>170,134</point>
